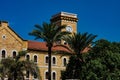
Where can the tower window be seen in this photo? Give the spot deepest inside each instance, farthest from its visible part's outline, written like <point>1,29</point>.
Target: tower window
<point>3,54</point>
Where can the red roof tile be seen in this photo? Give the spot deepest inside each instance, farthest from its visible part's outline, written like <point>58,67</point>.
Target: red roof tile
<point>42,46</point>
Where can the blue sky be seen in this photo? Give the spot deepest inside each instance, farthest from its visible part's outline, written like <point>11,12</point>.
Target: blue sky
<point>99,17</point>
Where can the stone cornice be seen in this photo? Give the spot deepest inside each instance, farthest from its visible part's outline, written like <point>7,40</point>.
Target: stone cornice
<point>64,18</point>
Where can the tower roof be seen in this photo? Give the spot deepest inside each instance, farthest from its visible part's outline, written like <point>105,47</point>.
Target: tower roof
<point>64,16</point>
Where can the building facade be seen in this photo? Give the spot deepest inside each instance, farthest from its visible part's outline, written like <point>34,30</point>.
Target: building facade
<point>11,43</point>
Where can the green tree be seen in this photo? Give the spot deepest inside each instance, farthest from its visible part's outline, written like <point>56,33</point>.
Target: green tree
<point>77,44</point>
<point>50,33</point>
<point>102,62</point>
<point>14,68</point>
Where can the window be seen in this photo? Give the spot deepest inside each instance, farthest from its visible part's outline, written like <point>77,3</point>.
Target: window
<point>46,75</point>
<point>54,60</point>
<point>27,74</point>
<point>14,54</point>
<point>53,76</point>
<point>35,58</point>
<point>27,57</point>
<point>58,42</point>
<point>3,54</point>
<point>46,59</point>
<point>64,61</point>
<point>3,36</point>
<point>65,43</point>
<point>35,75</point>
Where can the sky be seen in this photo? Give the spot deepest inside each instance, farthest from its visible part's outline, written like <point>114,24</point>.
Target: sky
<point>98,17</point>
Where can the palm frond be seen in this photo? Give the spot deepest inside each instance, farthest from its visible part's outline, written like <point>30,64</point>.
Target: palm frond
<point>14,68</point>
<point>70,51</point>
<point>78,42</point>
<point>48,32</point>
<point>59,35</point>
<point>39,27</point>
<point>32,67</point>
<point>20,54</point>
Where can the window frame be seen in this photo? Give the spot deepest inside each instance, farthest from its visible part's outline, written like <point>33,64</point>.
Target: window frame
<point>4,36</point>
<point>34,59</point>
<point>55,75</point>
<point>55,60</point>
<point>12,53</point>
<point>63,61</point>
<point>45,61</point>
<point>26,56</point>
<point>28,75</point>
<point>5,53</point>
<point>46,71</point>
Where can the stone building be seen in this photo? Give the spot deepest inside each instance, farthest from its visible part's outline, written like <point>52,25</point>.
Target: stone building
<point>11,43</point>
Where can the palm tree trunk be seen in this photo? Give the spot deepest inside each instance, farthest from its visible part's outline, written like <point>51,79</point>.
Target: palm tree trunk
<point>49,64</point>
<point>9,79</point>
<point>15,75</point>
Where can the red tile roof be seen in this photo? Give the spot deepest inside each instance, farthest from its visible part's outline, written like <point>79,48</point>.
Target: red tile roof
<point>42,46</point>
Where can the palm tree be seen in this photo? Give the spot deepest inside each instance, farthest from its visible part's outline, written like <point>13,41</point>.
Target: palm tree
<point>14,68</point>
<point>50,33</point>
<point>77,44</point>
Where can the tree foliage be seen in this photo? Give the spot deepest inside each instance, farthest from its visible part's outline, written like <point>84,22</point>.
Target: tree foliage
<point>101,63</point>
<point>14,68</point>
<point>77,43</point>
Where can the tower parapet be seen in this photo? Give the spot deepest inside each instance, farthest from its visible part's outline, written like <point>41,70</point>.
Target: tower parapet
<point>64,16</point>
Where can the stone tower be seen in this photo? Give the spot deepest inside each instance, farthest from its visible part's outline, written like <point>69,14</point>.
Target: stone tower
<point>65,18</point>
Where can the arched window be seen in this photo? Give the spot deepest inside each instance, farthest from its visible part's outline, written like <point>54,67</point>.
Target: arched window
<point>58,42</point>
<point>35,58</point>
<point>46,59</point>
<point>27,74</point>
<point>46,75</point>
<point>27,57</point>
<point>53,76</point>
<point>64,61</point>
<point>3,54</point>
<point>65,43</point>
<point>35,76</point>
<point>14,54</point>
<point>54,60</point>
